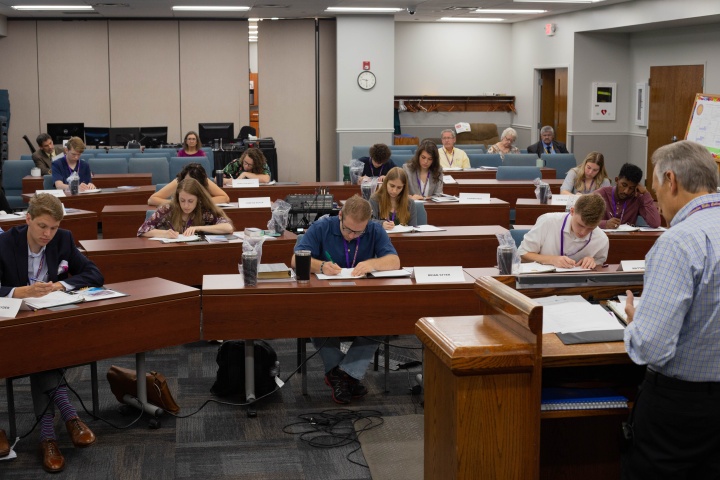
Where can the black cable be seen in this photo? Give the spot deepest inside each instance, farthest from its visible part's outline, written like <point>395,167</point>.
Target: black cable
<point>394,345</point>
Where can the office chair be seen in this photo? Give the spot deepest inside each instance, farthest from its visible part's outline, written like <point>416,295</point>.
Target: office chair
<point>245,132</point>
<point>27,140</point>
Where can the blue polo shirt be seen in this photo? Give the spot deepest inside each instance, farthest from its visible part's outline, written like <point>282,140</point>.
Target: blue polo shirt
<point>324,235</point>
<point>61,171</point>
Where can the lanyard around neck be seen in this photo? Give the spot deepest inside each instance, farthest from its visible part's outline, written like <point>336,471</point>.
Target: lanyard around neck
<point>451,159</point>
<point>562,240</point>
<point>614,206</point>
<point>423,188</point>
<point>347,252</point>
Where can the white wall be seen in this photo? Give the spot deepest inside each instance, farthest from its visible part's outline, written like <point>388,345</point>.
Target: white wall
<point>364,117</point>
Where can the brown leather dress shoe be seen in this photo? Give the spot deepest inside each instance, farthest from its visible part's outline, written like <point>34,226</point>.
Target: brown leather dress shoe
<point>4,444</point>
<point>53,461</point>
<point>80,434</point>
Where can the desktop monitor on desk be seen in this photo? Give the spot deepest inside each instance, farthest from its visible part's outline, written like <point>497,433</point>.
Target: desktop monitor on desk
<point>120,136</point>
<point>63,131</point>
<point>97,136</point>
<point>211,131</point>
<point>153,136</point>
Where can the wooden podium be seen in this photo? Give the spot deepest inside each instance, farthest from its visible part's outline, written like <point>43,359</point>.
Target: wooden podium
<point>482,388</point>
<point>483,380</point>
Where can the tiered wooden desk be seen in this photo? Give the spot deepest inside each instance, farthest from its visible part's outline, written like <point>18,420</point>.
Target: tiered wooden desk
<point>497,212</point>
<point>101,180</point>
<point>124,259</point>
<point>478,174</point>
<point>483,376</point>
<point>474,246</point>
<point>340,190</point>
<point>121,221</point>
<point>95,202</point>
<point>82,224</point>
<point>508,190</point>
<point>527,210</point>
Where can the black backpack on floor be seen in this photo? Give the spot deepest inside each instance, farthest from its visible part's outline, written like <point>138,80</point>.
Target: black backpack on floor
<point>231,368</point>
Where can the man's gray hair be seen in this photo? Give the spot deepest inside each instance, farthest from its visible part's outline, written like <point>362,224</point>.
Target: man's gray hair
<point>547,128</point>
<point>448,130</point>
<point>692,164</point>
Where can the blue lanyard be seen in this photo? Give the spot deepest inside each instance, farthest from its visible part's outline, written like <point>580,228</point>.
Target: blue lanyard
<point>703,206</point>
<point>36,278</point>
<point>562,240</point>
<point>423,189</point>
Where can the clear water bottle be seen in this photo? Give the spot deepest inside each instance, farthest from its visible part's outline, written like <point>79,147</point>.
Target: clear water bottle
<point>74,182</point>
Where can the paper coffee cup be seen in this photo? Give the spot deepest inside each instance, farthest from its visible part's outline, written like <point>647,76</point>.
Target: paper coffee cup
<point>35,172</point>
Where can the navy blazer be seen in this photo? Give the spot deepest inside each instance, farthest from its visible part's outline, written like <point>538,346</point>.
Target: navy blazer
<point>14,261</point>
<point>539,148</point>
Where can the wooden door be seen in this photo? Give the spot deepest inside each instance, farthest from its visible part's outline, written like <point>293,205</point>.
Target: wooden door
<point>672,93</point>
<point>553,101</point>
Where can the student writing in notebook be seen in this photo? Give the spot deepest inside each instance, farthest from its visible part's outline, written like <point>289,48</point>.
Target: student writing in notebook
<point>391,204</point>
<point>251,164</point>
<point>349,240</point>
<point>628,199</point>
<point>64,166</point>
<point>191,212</point>
<point>192,170</point>
<point>424,173</point>
<point>675,330</point>
<point>568,240</point>
<point>36,259</point>
<point>378,163</point>
<point>587,177</point>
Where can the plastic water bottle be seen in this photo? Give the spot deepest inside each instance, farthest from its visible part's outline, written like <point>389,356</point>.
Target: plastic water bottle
<point>74,182</point>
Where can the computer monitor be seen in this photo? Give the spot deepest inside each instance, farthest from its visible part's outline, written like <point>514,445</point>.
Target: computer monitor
<point>120,136</point>
<point>97,136</point>
<point>210,131</point>
<point>63,131</point>
<point>153,136</point>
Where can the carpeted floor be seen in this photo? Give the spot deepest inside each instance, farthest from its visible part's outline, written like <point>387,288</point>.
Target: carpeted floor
<point>393,449</point>
<point>219,442</point>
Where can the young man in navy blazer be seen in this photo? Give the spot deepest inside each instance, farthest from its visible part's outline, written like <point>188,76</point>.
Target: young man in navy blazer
<point>36,259</point>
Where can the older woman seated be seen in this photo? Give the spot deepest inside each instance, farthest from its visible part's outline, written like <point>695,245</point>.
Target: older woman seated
<point>506,143</point>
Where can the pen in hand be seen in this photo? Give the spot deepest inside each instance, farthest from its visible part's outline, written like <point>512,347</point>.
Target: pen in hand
<point>328,257</point>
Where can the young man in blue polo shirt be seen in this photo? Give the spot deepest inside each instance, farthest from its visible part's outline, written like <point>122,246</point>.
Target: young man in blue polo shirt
<point>349,240</point>
<point>63,167</point>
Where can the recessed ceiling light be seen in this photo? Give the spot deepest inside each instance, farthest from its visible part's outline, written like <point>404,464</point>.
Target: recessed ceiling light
<point>504,10</point>
<point>52,7</point>
<point>363,10</point>
<point>202,8</point>
<point>469,19</point>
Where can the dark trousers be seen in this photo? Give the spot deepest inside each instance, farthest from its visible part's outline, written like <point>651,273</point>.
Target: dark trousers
<point>676,431</point>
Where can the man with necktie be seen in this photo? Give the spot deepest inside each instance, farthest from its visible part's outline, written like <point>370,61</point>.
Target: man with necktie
<point>547,143</point>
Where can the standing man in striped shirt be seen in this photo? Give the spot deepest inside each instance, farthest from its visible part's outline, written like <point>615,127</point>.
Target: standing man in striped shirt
<point>675,331</point>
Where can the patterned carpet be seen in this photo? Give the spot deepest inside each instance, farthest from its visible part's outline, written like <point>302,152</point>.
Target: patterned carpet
<point>219,442</point>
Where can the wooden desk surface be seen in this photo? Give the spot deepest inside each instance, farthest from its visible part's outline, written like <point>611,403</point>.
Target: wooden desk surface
<point>339,190</point>
<point>497,212</point>
<point>156,314</point>
<point>368,306</point>
<point>123,259</point>
<point>95,202</point>
<point>527,210</point>
<point>468,246</point>
<point>508,190</point>
<point>82,224</point>
<point>478,174</point>
<point>100,180</point>
<point>122,221</point>
<point>624,245</point>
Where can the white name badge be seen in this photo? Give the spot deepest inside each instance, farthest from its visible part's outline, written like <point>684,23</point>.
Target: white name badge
<point>254,202</point>
<point>245,182</point>
<point>57,193</point>
<point>9,307</point>
<point>474,197</point>
<point>448,178</point>
<point>439,275</point>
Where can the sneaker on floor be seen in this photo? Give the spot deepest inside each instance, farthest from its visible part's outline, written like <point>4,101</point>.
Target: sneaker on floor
<point>337,380</point>
<point>357,389</point>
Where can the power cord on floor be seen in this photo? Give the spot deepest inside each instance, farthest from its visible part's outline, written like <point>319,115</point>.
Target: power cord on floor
<point>334,428</point>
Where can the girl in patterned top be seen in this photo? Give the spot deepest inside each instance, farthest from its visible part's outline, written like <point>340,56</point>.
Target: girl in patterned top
<point>190,212</point>
<point>251,164</point>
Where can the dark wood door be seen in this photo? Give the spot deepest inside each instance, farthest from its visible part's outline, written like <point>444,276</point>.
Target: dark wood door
<point>553,101</point>
<point>672,93</point>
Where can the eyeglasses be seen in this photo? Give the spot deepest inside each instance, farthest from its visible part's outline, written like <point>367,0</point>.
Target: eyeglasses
<point>352,232</point>
<point>248,164</point>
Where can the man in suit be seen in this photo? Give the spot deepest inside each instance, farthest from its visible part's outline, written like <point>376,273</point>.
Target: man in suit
<point>547,143</point>
<point>36,259</point>
<point>43,157</point>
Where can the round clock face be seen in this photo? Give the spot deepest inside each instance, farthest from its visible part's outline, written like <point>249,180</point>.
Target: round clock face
<point>366,80</point>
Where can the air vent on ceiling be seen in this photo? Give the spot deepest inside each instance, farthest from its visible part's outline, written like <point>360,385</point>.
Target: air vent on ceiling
<point>451,8</point>
<point>270,5</point>
<point>89,12</point>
